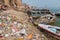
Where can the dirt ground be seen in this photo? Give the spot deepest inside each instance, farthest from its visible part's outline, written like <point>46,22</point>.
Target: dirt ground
<point>22,17</point>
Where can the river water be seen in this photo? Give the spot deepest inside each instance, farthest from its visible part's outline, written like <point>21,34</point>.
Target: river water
<point>57,22</point>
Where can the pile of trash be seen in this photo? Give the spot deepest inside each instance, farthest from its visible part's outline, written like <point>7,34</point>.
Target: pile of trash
<point>11,27</point>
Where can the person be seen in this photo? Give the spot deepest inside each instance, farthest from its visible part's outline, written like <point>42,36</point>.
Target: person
<point>28,13</point>
<point>31,19</point>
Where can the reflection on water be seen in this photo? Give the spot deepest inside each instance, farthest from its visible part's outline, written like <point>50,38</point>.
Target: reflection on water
<point>57,23</point>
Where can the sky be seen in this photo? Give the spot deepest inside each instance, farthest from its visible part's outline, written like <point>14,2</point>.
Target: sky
<point>43,3</point>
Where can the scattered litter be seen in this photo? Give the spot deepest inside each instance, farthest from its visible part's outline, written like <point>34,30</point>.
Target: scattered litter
<point>30,36</point>
<point>6,35</point>
<point>23,31</point>
<point>11,27</point>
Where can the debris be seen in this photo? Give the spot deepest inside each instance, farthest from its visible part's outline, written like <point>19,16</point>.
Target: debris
<point>30,36</point>
<point>10,26</point>
<point>1,36</point>
<point>23,31</point>
<point>20,38</point>
<point>14,29</point>
<point>1,31</point>
<point>6,35</point>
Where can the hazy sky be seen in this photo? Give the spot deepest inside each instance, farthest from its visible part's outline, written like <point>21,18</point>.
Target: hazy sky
<point>43,3</point>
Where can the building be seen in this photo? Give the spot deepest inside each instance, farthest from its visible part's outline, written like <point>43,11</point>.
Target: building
<point>8,2</point>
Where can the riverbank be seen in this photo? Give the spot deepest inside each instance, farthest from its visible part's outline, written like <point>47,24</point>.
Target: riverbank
<point>31,31</point>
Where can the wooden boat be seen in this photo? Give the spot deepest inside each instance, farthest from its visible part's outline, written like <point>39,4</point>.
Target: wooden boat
<point>42,16</point>
<point>58,14</point>
<point>54,31</point>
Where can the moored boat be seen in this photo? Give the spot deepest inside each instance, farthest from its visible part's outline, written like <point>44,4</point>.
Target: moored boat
<point>54,31</point>
<point>57,14</point>
<point>42,16</point>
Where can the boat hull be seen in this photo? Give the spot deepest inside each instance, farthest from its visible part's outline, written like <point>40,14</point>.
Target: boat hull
<point>50,33</point>
<point>57,14</point>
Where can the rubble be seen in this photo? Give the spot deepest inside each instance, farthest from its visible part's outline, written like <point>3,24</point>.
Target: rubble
<point>11,27</point>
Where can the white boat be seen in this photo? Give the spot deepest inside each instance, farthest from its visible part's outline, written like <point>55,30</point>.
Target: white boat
<point>54,31</point>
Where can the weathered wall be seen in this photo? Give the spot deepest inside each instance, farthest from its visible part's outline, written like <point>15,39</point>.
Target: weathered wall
<point>6,2</point>
<point>17,2</point>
